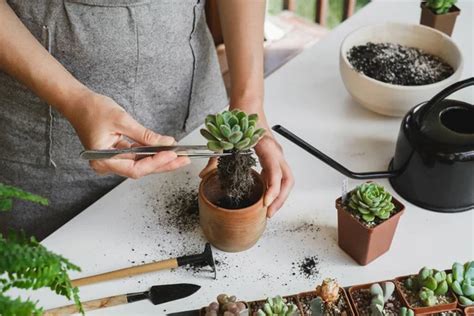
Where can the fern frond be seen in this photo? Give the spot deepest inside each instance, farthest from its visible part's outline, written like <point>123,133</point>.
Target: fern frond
<point>8,193</point>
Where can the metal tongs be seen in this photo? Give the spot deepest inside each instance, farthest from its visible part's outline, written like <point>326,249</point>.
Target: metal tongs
<point>192,151</point>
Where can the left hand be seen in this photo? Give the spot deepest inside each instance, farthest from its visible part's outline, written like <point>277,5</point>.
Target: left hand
<point>275,171</point>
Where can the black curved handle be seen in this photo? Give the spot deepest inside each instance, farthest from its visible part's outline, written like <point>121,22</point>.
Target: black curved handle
<point>424,110</point>
<point>328,160</point>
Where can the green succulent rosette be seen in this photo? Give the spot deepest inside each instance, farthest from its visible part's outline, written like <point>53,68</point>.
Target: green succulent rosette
<point>232,131</point>
<point>372,201</point>
<point>440,6</point>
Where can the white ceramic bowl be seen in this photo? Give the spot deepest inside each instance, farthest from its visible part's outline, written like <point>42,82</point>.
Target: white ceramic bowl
<point>390,99</point>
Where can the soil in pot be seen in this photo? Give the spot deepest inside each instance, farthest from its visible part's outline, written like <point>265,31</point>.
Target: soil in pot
<point>456,312</point>
<point>366,241</point>
<point>361,298</point>
<point>398,64</point>
<point>231,230</point>
<point>445,302</point>
<point>341,307</point>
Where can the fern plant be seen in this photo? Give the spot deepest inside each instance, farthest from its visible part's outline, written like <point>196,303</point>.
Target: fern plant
<point>26,264</point>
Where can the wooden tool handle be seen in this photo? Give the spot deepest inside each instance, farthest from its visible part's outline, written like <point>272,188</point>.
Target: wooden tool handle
<point>88,306</point>
<point>122,273</point>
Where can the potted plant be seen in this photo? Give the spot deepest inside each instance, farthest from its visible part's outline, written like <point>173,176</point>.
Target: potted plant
<point>461,282</point>
<point>225,306</point>
<point>279,306</point>
<point>426,292</point>
<point>367,220</point>
<point>329,299</point>
<point>406,312</point>
<point>231,210</point>
<point>26,264</point>
<point>439,14</point>
<point>375,299</point>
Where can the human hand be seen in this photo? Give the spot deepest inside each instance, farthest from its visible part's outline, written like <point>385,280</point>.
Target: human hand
<point>101,123</point>
<point>275,172</point>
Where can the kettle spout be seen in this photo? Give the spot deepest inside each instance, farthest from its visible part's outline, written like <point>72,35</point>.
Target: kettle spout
<point>329,161</point>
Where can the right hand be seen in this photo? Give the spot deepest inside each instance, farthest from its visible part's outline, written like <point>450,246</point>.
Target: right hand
<point>101,123</point>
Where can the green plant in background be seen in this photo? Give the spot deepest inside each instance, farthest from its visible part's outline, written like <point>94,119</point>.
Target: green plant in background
<point>26,264</point>
<point>381,293</point>
<point>429,284</point>
<point>406,312</point>
<point>461,281</point>
<point>234,132</point>
<point>440,6</point>
<point>371,201</point>
<point>277,306</point>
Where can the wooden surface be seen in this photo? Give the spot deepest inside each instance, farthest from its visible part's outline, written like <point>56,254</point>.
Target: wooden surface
<point>307,96</point>
<point>88,306</point>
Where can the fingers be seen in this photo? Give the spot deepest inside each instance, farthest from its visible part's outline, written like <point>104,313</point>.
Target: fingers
<point>273,176</point>
<point>211,165</point>
<point>163,161</point>
<point>142,135</point>
<point>287,183</point>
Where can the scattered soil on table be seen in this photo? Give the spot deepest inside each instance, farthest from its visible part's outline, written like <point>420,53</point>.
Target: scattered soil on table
<point>398,64</point>
<point>340,308</point>
<point>363,297</point>
<point>413,299</point>
<point>308,267</point>
<point>181,209</point>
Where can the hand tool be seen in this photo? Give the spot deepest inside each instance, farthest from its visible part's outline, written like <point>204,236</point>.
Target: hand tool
<point>202,259</point>
<point>157,294</point>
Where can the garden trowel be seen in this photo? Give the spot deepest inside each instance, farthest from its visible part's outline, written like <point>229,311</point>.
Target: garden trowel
<point>157,294</point>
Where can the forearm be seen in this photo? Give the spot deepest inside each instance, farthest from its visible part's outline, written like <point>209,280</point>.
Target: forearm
<point>26,60</point>
<point>242,25</point>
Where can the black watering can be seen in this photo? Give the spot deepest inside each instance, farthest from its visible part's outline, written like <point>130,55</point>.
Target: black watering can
<point>433,165</point>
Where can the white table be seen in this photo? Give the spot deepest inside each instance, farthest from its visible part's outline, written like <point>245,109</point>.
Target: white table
<point>307,96</point>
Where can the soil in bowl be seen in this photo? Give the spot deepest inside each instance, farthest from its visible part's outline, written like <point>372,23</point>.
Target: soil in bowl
<point>361,297</point>
<point>398,64</point>
<point>414,302</point>
<point>340,308</point>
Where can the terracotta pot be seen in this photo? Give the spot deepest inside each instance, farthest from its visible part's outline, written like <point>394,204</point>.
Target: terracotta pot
<point>365,244</point>
<point>428,309</point>
<point>469,311</point>
<point>312,294</point>
<point>354,288</point>
<point>255,305</point>
<point>441,22</point>
<point>231,230</point>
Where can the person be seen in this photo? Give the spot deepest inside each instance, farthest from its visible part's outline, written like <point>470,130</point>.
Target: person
<point>100,74</point>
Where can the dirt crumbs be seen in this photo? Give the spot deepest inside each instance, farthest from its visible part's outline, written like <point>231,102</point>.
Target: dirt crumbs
<point>181,209</point>
<point>398,64</point>
<point>362,299</point>
<point>308,267</point>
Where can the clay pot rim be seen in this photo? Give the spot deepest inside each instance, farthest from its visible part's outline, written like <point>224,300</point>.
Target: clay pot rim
<point>367,285</point>
<point>454,10</point>
<point>340,205</point>
<point>470,309</point>
<point>426,309</point>
<point>344,293</point>
<point>229,210</point>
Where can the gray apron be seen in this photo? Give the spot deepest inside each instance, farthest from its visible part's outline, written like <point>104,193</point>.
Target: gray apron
<point>156,58</point>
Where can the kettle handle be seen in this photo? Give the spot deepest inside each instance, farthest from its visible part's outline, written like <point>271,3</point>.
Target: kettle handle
<point>424,110</point>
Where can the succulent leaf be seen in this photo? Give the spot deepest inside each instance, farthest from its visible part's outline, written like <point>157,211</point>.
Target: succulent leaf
<point>235,137</point>
<point>207,135</point>
<point>225,130</point>
<point>242,144</point>
<point>226,145</point>
<point>371,201</point>
<point>214,146</point>
<point>214,130</point>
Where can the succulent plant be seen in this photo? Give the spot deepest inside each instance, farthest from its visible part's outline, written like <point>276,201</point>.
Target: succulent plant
<point>381,293</point>
<point>226,306</point>
<point>406,312</point>
<point>232,131</point>
<point>461,281</point>
<point>440,6</point>
<point>317,306</point>
<point>328,291</point>
<point>429,284</point>
<point>371,200</point>
<point>277,306</point>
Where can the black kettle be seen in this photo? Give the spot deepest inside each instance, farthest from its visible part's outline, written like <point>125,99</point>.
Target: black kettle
<point>433,165</point>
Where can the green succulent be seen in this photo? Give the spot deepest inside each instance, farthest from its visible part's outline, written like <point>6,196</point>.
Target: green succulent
<point>277,306</point>
<point>317,306</point>
<point>406,312</point>
<point>371,201</point>
<point>440,6</point>
<point>429,284</point>
<point>461,281</point>
<point>381,293</point>
<point>232,131</point>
